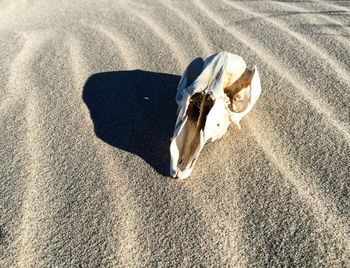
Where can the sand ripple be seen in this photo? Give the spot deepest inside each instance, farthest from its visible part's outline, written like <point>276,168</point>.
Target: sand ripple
<point>87,111</point>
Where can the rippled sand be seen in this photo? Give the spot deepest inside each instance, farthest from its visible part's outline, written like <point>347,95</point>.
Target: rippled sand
<point>87,111</point>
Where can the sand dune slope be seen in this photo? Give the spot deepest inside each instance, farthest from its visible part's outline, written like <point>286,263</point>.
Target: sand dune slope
<point>87,110</point>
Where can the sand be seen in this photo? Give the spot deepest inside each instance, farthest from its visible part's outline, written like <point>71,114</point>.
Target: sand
<point>87,110</point>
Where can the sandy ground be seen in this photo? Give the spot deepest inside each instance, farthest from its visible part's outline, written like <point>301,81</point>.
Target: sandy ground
<point>87,111</point>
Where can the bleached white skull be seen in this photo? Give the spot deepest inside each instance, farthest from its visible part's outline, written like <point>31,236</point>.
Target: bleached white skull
<point>211,94</point>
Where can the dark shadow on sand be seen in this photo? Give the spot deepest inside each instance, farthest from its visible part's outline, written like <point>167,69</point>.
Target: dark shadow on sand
<point>134,111</point>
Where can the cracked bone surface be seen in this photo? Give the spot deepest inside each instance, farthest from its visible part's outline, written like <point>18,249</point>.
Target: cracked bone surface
<point>211,94</point>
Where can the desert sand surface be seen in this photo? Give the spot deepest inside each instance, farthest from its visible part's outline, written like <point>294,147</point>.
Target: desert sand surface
<point>87,110</point>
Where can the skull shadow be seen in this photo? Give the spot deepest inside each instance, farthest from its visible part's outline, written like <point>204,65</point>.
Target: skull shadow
<point>134,111</point>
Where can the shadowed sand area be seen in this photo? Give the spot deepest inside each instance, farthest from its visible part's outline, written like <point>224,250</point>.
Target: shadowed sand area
<point>134,111</point>
<point>87,110</point>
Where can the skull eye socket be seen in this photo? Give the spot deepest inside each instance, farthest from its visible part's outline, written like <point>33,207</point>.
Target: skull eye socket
<point>193,110</point>
<point>237,91</point>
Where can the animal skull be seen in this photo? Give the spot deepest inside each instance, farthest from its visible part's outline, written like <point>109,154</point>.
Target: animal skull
<point>211,94</point>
